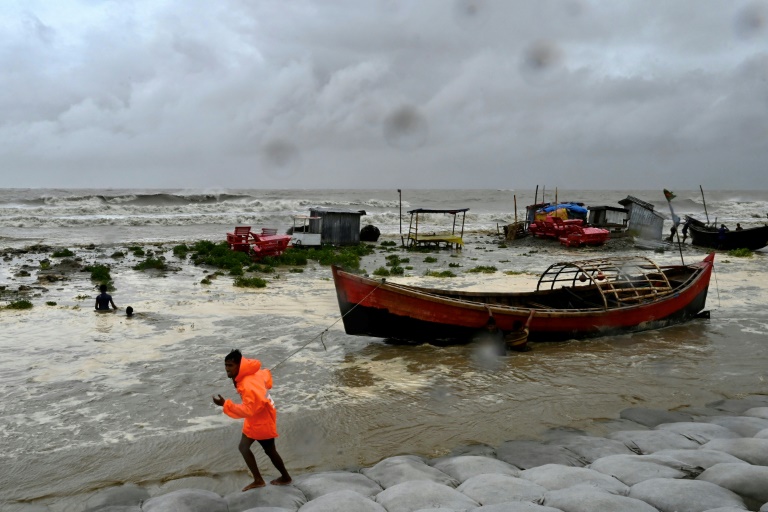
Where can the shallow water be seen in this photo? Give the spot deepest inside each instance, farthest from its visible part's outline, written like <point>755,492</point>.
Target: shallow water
<point>98,399</point>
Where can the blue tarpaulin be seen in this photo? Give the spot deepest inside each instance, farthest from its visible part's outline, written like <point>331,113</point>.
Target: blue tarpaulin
<point>568,206</point>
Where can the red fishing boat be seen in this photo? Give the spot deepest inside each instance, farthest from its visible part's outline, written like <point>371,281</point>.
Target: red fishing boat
<point>258,245</point>
<point>573,300</point>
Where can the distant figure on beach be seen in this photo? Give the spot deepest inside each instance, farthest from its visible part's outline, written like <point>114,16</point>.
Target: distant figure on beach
<point>685,229</point>
<point>104,299</point>
<point>721,235</point>
<point>129,311</point>
<point>672,233</point>
<point>258,409</point>
<point>738,227</point>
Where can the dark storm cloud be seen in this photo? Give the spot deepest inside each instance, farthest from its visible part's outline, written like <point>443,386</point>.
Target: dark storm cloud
<point>387,93</point>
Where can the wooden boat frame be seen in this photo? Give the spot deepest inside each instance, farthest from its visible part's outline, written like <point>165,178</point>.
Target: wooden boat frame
<point>616,295</point>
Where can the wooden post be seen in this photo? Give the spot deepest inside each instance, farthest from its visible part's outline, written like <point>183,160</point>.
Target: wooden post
<point>399,193</point>
<point>515,198</point>
<point>705,204</point>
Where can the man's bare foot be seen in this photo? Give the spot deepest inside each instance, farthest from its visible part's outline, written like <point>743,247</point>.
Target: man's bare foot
<point>254,485</point>
<point>281,481</point>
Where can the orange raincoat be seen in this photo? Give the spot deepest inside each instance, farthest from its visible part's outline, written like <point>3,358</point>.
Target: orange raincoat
<point>253,385</point>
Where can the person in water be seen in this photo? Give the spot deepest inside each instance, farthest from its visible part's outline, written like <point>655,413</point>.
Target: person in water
<point>129,311</point>
<point>103,300</point>
<point>253,384</point>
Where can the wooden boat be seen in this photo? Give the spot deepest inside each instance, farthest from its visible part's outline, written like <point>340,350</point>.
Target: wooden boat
<point>704,235</point>
<point>574,300</point>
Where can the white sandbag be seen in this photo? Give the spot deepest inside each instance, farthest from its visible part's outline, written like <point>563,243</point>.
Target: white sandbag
<point>413,495</point>
<point>633,469</point>
<point>700,432</point>
<point>342,501</point>
<point>315,485</point>
<point>281,496</point>
<point>584,499</point>
<point>492,489</point>
<point>555,476</point>
<point>757,412</point>
<point>653,417</point>
<point>590,448</point>
<point>746,426</point>
<point>672,495</point>
<point>128,494</point>
<point>406,468</point>
<point>748,481</point>
<point>750,449</point>
<point>650,441</point>
<point>700,458</point>
<point>110,508</point>
<point>188,500</point>
<point>268,509</point>
<point>530,454</point>
<point>515,506</point>
<point>738,406</point>
<point>763,434</point>
<point>466,466</point>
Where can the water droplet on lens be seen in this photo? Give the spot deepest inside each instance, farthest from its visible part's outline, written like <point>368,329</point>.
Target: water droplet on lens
<point>406,128</point>
<point>542,63</point>
<point>752,20</point>
<point>282,158</point>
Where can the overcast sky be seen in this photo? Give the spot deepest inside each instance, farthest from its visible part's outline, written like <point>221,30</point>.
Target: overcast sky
<point>384,94</point>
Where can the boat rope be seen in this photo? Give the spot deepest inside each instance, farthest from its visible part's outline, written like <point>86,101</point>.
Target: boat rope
<point>717,285</point>
<point>327,328</point>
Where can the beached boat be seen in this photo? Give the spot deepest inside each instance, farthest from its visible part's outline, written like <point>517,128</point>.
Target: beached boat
<point>704,235</point>
<point>573,300</point>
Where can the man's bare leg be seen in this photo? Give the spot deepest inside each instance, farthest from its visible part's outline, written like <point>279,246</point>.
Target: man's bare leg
<point>271,450</point>
<point>250,461</point>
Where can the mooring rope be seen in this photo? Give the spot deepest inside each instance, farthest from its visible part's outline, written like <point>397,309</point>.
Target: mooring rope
<point>327,328</point>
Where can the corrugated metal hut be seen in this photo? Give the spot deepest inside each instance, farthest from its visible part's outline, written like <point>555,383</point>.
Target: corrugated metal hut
<point>337,226</point>
<point>643,222</point>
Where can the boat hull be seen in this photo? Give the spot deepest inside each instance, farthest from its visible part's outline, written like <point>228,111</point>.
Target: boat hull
<point>750,238</point>
<point>376,308</point>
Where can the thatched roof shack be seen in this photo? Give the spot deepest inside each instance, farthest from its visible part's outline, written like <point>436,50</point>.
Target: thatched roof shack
<point>338,226</point>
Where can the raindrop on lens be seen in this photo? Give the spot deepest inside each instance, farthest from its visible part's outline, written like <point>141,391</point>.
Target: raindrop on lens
<point>542,63</point>
<point>752,20</point>
<point>406,128</point>
<point>282,158</point>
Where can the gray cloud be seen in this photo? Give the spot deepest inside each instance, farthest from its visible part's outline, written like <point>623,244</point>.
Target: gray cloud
<point>386,93</point>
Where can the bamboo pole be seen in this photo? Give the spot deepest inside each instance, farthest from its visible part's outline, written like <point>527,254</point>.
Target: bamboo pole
<point>705,203</point>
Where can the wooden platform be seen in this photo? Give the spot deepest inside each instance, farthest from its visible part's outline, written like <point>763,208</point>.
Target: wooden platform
<point>448,240</point>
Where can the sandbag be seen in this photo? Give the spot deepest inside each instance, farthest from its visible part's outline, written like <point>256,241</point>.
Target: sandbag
<point>405,468</point>
<point>699,458</point>
<point>188,500</point>
<point>515,506</point>
<point>738,406</point>
<point>757,412</point>
<point>746,426</point>
<point>413,495</point>
<point>633,469</point>
<point>584,499</point>
<point>748,481</point>
<point>653,417</point>
<point>699,432</point>
<point>554,477</point>
<point>342,501</point>
<point>318,484</point>
<point>530,454</point>
<point>649,441</point>
<point>673,495</point>
<point>281,496</point>
<point>492,489</point>
<point>124,495</point>
<point>750,449</point>
<point>466,466</point>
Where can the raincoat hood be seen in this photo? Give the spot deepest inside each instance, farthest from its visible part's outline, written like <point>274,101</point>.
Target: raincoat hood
<point>247,367</point>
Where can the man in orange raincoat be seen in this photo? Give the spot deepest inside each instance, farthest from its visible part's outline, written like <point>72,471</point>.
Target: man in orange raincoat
<point>253,385</point>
